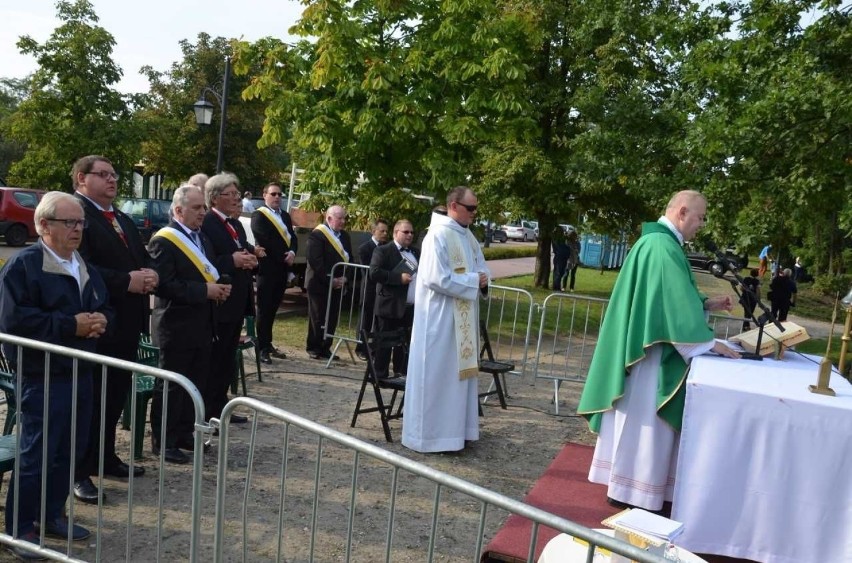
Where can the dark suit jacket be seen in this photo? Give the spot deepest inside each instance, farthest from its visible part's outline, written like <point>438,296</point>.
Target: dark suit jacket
<point>103,249</point>
<point>322,257</point>
<point>391,294</point>
<point>266,235</point>
<point>365,255</point>
<point>182,313</point>
<point>239,303</point>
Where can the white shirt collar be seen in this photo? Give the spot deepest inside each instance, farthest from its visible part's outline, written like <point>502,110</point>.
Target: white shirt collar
<point>95,203</point>
<point>665,221</point>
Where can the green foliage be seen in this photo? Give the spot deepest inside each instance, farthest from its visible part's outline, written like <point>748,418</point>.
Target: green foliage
<point>178,148</point>
<point>12,92</point>
<point>501,252</point>
<point>71,108</point>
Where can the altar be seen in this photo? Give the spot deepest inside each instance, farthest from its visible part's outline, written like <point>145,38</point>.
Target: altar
<point>765,466</point>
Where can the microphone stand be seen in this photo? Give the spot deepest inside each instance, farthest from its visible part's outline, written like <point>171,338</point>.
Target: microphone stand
<point>738,283</point>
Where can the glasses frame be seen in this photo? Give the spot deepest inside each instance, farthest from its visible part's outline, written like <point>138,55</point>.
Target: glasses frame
<point>275,194</point>
<point>105,174</point>
<point>470,208</point>
<point>70,223</point>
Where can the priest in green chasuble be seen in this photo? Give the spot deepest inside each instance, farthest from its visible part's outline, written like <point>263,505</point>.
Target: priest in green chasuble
<point>655,323</point>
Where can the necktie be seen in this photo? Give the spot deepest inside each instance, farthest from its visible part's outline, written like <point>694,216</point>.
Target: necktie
<point>110,217</point>
<point>194,238</point>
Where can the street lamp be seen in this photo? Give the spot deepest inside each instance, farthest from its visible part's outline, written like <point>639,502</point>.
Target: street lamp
<point>204,110</point>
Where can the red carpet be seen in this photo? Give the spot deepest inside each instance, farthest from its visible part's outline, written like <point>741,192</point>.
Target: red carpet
<point>563,489</point>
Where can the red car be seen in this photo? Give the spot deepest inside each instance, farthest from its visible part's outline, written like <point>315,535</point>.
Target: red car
<point>17,206</point>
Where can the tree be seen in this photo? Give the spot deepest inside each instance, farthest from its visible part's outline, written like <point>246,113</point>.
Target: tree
<point>12,93</point>
<point>71,108</point>
<point>177,147</point>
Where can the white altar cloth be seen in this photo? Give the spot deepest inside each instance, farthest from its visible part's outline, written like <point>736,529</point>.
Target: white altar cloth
<point>765,466</point>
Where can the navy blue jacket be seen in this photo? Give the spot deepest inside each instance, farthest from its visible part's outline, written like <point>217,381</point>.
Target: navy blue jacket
<point>38,300</point>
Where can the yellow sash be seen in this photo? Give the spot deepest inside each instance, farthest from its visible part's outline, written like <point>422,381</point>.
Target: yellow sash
<point>180,240</point>
<point>276,220</point>
<point>464,312</point>
<point>333,240</point>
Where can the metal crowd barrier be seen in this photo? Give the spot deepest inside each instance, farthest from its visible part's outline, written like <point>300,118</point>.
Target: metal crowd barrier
<point>567,336</point>
<point>138,507</point>
<point>349,308</point>
<point>358,495</point>
<point>508,313</point>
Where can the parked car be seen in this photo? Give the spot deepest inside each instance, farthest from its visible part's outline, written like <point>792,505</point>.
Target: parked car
<point>149,215</point>
<point>535,228</point>
<point>499,235</point>
<point>17,206</point>
<point>520,230</point>
<point>701,260</point>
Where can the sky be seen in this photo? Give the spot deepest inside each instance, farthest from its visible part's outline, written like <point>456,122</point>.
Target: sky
<point>146,33</point>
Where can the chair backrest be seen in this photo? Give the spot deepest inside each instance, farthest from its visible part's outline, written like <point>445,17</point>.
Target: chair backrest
<point>7,385</point>
<point>147,354</point>
<point>486,342</point>
<point>251,331</point>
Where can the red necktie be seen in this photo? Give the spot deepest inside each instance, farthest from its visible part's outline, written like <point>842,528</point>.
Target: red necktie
<point>110,217</point>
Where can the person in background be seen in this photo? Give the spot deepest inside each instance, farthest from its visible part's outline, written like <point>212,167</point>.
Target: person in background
<point>393,270</point>
<point>183,320</point>
<point>634,392</point>
<point>379,231</point>
<point>573,260</point>
<point>198,180</point>
<point>561,253</point>
<point>764,258</point>
<point>442,387</point>
<point>49,293</point>
<point>327,245</point>
<point>248,206</point>
<point>235,257</point>
<point>273,230</point>
<point>798,270</point>
<point>782,294</point>
<point>112,245</point>
<point>749,296</point>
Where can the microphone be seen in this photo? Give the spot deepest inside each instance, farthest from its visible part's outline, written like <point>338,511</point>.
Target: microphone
<point>224,279</point>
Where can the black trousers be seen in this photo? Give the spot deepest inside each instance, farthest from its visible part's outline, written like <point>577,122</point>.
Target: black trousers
<point>118,385</point>
<point>399,353</point>
<point>223,358</point>
<point>270,292</point>
<point>317,303</point>
<point>194,363</point>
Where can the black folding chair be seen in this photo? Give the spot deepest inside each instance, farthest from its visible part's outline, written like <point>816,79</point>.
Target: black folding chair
<point>373,342</point>
<point>497,369</point>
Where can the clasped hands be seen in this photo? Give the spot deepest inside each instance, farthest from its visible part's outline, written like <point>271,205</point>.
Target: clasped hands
<point>143,280</point>
<point>245,260</point>
<point>90,325</point>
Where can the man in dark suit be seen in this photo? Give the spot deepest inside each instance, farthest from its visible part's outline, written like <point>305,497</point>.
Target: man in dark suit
<point>273,230</point>
<point>233,257</point>
<point>184,317</point>
<point>112,245</point>
<point>327,245</point>
<point>379,231</point>
<point>394,270</point>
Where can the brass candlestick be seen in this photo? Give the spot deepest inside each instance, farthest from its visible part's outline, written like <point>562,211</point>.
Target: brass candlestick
<point>824,373</point>
<point>844,346</point>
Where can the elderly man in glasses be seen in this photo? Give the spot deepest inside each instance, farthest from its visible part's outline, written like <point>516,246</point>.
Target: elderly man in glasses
<point>50,294</point>
<point>441,391</point>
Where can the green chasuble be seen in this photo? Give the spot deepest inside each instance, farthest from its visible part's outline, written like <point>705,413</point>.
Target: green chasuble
<point>655,301</point>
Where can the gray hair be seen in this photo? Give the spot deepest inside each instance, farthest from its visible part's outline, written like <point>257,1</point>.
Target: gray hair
<point>788,272</point>
<point>181,197</point>
<point>214,187</point>
<point>198,180</point>
<point>46,208</point>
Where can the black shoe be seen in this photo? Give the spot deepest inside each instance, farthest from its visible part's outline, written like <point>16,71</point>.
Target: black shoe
<point>361,355</point>
<point>122,470</point>
<point>276,353</point>
<point>25,555</point>
<point>314,355</point>
<point>328,356</point>
<point>264,357</point>
<point>86,491</point>
<point>238,419</point>
<point>59,529</point>
<point>617,503</point>
<point>172,455</point>
<point>188,443</point>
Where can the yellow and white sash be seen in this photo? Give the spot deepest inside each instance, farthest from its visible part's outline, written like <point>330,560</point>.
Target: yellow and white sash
<point>464,310</point>
<point>333,240</point>
<point>276,220</point>
<point>195,255</point>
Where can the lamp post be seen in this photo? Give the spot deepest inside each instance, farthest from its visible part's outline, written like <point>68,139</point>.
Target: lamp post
<point>204,110</point>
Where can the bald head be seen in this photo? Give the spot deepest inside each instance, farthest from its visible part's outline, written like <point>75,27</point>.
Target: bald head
<point>336,217</point>
<point>686,210</point>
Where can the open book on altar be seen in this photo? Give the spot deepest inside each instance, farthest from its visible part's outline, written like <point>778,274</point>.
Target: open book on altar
<point>793,334</point>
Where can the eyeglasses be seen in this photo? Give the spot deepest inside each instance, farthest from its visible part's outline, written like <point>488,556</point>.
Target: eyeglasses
<point>72,223</point>
<point>407,232</point>
<point>470,208</point>
<point>274,194</point>
<point>105,174</point>
<point>230,194</point>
